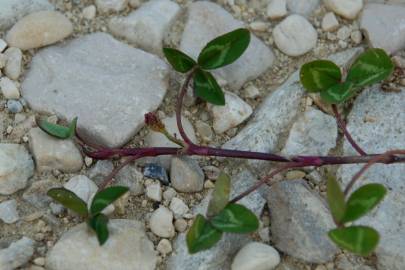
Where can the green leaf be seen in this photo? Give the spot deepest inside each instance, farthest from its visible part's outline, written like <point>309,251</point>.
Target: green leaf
<point>235,218</point>
<point>319,75</point>
<point>207,88</point>
<point>370,67</point>
<point>105,197</point>
<point>338,93</point>
<point>69,200</point>
<point>180,61</point>
<point>363,200</point>
<point>58,131</point>
<point>220,195</point>
<point>361,240</point>
<point>201,235</point>
<point>99,224</point>
<point>224,50</point>
<point>336,198</point>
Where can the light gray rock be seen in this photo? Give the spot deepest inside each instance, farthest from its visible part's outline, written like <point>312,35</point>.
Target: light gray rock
<point>314,133</point>
<point>305,8</point>
<point>17,254</point>
<point>220,256</point>
<point>54,154</point>
<point>388,32</point>
<point>186,175</point>
<point>154,191</point>
<point>111,5</point>
<point>300,221</point>
<point>205,22</point>
<point>146,26</point>
<point>130,177</point>
<point>277,9</point>
<point>14,106</point>
<point>161,222</point>
<point>385,132</point>
<point>157,139</point>
<point>127,248</point>
<point>9,89</point>
<point>348,9</point>
<point>109,84</point>
<point>164,247</point>
<point>178,207</point>
<point>36,193</point>
<point>100,170</point>
<point>82,186</point>
<point>329,22</point>
<point>256,256</point>
<point>16,167</point>
<point>295,35</point>
<point>234,112</point>
<point>275,114</point>
<point>39,29</point>
<point>12,10</point>
<point>8,211</point>
<point>14,63</point>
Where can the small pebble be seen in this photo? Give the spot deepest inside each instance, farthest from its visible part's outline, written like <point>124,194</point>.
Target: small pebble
<point>255,256</point>
<point>277,9</point>
<point>9,89</point>
<point>39,261</point>
<point>164,247</point>
<point>178,207</point>
<point>14,106</point>
<point>8,211</point>
<point>161,222</point>
<point>258,26</point>
<point>89,12</point>
<point>343,33</point>
<point>3,45</point>
<point>155,171</point>
<point>169,194</point>
<point>356,37</point>
<point>252,92</point>
<point>154,192</point>
<point>329,22</point>
<point>180,225</point>
<point>14,63</point>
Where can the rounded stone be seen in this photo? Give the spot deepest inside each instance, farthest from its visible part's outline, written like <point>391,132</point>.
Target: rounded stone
<point>256,256</point>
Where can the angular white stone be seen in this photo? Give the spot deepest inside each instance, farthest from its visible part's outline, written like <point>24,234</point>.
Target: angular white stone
<point>17,254</point>
<point>207,21</point>
<point>388,32</point>
<point>146,26</point>
<point>277,9</point>
<point>54,154</point>
<point>109,84</point>
<point>12,10</point>
<point>295,35</point>
<point>154,192</point>
<point>16,166</point>
<point>329,22</point>
<point>8,212</point>
<point>111,5</point>
<point>178,207</point>
<point>256,256</point>
<point>161,222</point>
<point>232,114</point>
<point>39,29</point>
<point>301,7</point>
<point>348,9</point>
<point>314,133</point>
<point>127,248</point>
<point>13,64</point>
<point>9,88</point>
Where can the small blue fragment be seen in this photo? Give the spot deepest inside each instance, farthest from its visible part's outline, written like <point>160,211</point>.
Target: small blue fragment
<point>155,171</point>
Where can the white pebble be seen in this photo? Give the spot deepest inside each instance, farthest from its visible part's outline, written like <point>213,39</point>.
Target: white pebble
<point>14,62</point>
<point>111,5</point>
<point>154,192</point>
<point>89,12</point>
<point>3,60</point>
<point>178,207</point>
<point>252,92</point>
<point>356,37</point>
<point>169,194</point>
<point>258,26</point>
<point>161,222</point>
<point>164,247</point>
<point>329,22</point>
<point>256,256</point>
<point>345,8</point>
<point>8,212</point>
<point>343,33</point>
<point>9,88</point>
<point>277,9</point>
<point>180,225</point>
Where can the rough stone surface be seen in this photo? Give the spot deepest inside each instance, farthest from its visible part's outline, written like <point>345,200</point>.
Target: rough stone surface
<point>8,211</point>
<point>300,221</point>
<point>232,114</point>
<point>348,9</point>
<point>17,254</point>
<point>146,26</point>
<point>127,248</point>
<point>256,256</point>
<point>111,5</point>
<point>388,32</point>
<point>304,8</point>
<point>386,131</point>
<point>186,175</point>
<point>16,166</point>
<point>220,256</point>
<point>97,74</point>
<point>275,114</point>
<point>161,222</point>
<point>39,29</point>
<point>295,35</point>
<point>54,154</point>
<point>13,64</point>
<point>314,133</point>
<point>12,10</point>
<point>205,22</point>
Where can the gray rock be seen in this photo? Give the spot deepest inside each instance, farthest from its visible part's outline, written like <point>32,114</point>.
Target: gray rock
<point>14,106</point>
<point>109,84</point>
<point>220,256</point>
<point>275,114</point>
<point>205,22</point>
<point>256,256</point>
<point>314,133</point>
<point>130,177</point>
<point>161,222</point>
<point>154,191</point>
<point>384,132</point>
<point>100,170</point>
<point>146,26</point>
<point>155,171</point>
<point>36,193</point>
<point>17,254</point>
<point>186,175</point>
<point>300,221</point>
<point>178,207</point>
<point>305,8</point>
<point>128,248</point>
<point>54,154</point>
<point>387,32</point>
<point>12,10</point>
<point>8,211</point>
<point>16,167</point>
